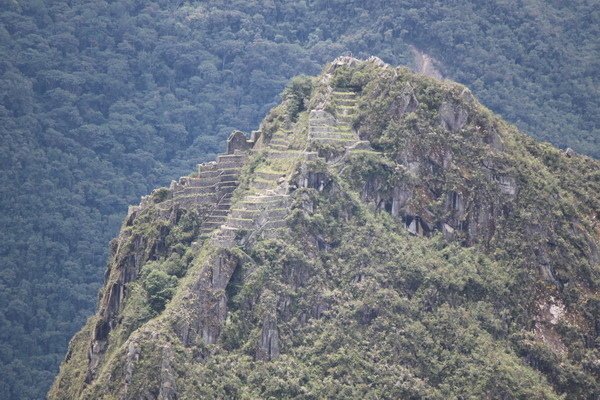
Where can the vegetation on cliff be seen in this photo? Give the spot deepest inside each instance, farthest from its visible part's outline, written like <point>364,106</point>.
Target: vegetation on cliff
<point>388,237</point>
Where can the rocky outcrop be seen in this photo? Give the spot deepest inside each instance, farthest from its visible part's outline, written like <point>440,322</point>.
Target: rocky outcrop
<point>204,305</point>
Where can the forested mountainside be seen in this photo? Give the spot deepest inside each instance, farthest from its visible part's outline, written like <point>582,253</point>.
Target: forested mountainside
<point>382,236</point>
<point>100,101</point>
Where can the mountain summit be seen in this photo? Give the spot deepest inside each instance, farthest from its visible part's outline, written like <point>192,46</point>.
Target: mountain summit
<point>382,235</point>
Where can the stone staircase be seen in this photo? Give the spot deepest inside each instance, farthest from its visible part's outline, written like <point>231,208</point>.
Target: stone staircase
<point>220,180</point>
<point>262,211</point>
<point>210,190</point>
<point>214,182</point>
<point>265,203</point>
<point>324,128</point>
<point>280,140</point>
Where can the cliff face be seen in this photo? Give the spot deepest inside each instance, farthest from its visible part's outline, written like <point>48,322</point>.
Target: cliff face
<point>381,236</point>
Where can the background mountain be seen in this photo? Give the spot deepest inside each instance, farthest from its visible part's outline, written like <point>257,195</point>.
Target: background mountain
<point>382,236</point>
<point>102,101</point>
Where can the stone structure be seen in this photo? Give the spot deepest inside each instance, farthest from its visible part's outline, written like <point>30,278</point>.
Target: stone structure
<point>238,142</point>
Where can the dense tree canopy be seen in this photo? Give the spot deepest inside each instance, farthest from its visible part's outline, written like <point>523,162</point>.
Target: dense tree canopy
<point>100,101</point>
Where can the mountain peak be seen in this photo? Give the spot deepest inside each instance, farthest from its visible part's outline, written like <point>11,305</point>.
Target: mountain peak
<point>382,235</point>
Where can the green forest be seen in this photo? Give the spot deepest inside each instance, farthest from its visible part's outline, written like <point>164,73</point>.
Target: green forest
<point>101,101</point>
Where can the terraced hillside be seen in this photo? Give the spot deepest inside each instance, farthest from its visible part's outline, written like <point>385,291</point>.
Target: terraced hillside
<point>382,235</point>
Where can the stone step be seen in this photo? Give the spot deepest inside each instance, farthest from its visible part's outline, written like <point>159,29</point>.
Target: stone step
<point>227,189</point>
<point>210,225</point>
<point>345,102</point>
<point>348,142</point>
<point>229,178</point>
<point>269,175</point>
<point>240,223</point>
<point>266,197</point>
<point>321,128</point>
<point>282,147</point>
<point>230,157</point>
<point>283,170</point>
<point>333,137</point>
<point>220,212</point>
<point>244,213</point>
<point>279,144</point>
<point>267,205</point>
<point>345,118</point>
<point>216,218</point>
<point>214,223</point>
<point>202,183</point>
<point>234,164</point>
<point>344,94</point>
<point>203,174</point>
<point>335,127</point>
<point>223,172</point>
<point>280,135</point>
<point>223,184</point>
<point>224,206</point>
<point>210,196</point>
<point>331,132</point>
<point>276,154</point>
<point>264,183</point>
<point>265,202</point>
<point>309,155</point>
<point>193,202</point>
<point>274,214</point>
<point>191,180</point>
<point>186,191</point>
<point>316,121</point>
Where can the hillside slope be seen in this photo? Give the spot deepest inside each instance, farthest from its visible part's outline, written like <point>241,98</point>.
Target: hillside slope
<point>382,235</point>
<point>101,101</point>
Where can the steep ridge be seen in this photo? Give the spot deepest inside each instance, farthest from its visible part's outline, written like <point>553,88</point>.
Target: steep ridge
<point>383,236</point>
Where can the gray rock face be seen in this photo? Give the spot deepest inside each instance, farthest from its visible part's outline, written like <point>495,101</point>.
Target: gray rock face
<point>400,198</point>
<point>448,232</point>
<point>508,185</point>
<point>455,202</point>
<point>168,388</point>
<point>405,102</point>
<point>206,302</point>
<point>452,116</point>
<point>130,252</point>
<point>494,140</point>
<point>268,348</point>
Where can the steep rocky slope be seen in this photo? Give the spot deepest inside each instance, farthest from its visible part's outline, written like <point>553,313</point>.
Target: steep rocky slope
<point>382,235</point>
